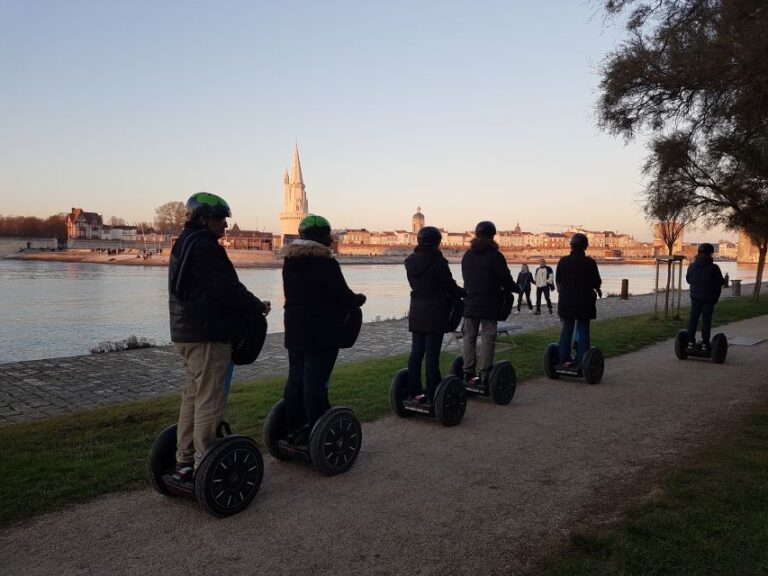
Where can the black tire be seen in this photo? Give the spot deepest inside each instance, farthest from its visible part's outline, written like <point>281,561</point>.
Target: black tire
<point>450,401</point>
<point>502,383</point>
<point>719,348</point>
<point>457,367</point>
<point>335,441</point>
<point>594,366</point>
<point>551,358</point>
<point>275,429</point>
<point>398,391</point>
<point>162,459</point>
<point>229,476</point>
<point>681,344</point>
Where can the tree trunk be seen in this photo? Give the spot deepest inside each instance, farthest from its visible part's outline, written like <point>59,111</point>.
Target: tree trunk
<point>759,277</point>
<point>666,296</point>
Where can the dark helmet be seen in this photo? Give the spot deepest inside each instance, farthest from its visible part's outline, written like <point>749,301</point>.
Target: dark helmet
<point>706,248</point>
<point>485,229</point>
<point>207,205</point>
<point>579,241</point>
<point>429,235</point>
<point>315,228</point>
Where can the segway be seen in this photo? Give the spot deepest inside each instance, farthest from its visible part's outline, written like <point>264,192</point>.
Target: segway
<point>448,407</point>
<point>717,352</point>
<point>591,370</point>
<point>332,444</point>
<point>230,473</point>
<point>501,384</point>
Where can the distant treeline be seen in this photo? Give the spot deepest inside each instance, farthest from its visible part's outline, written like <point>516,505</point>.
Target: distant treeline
<point>33,227</point>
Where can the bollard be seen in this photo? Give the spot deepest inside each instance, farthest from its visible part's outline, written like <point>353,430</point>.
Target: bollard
<point>735,287</point>
<point>625,289</point>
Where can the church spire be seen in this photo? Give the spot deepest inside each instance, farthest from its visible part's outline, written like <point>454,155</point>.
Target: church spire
<point>296,177</point>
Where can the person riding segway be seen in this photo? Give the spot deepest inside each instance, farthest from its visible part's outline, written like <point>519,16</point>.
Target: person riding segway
<point>215,322</point>
<point>435,309</point>
<point>578,281</point>
<point>322,315</point>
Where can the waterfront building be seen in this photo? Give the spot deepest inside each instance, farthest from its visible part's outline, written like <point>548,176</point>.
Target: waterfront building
<point>417,222</point>
<point>237,239</point>
<point>84,225</point>
<point>121,233</point>
<point>296,205</point>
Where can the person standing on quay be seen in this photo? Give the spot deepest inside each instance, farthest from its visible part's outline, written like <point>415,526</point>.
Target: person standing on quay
<point>489,287</point>
<point>432,290</point>
<point>545,282</point>
<point>524,281</point>
<point>209,308</point>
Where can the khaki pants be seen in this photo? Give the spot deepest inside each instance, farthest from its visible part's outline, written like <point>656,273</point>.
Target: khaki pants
<point>207,367</point>
<point>482,355</point>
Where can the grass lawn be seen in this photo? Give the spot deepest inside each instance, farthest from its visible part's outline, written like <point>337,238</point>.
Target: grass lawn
<point>50,463</point>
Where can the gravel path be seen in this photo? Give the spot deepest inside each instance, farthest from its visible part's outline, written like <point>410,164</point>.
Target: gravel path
<point>484,497</point>
<point>42,388</point>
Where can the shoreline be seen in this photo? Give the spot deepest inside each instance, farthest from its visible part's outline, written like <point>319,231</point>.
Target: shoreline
<point>244,259</point>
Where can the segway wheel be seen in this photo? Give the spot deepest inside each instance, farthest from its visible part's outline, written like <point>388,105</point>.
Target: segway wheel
<point>335,441</point>
<point>275,429</point>
<point>594,365</point>
<point>450,401</point>
<point>719,348</point>
<point>502,383</point>
<point>681,344</point>
<point>551,358</point>
<point>162,459</point>
<point>457,367</point>
<point>398,391</point>
<point>229,476</point>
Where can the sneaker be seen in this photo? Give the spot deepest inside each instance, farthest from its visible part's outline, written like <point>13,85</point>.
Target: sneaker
<point>184,472</point>
<point>537,313</point>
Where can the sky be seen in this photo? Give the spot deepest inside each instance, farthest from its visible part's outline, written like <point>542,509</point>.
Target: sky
<point>472,110</point>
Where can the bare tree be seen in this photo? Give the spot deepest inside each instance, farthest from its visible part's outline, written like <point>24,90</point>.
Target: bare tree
<point>115,221</point>
<point>170,217</point>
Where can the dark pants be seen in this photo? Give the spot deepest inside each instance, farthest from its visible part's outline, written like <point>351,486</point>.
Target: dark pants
<point>424,344</point>
<point>582,338</point>
<point>539,292</point>
<point>527,294</point>
<point>306,391</point>
<point>703,308</point>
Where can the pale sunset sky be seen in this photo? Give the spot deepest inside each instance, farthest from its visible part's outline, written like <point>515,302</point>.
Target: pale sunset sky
<point>471,109</point>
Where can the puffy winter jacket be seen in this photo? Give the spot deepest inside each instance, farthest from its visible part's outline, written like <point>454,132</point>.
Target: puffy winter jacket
<point>486,276</point>
<point>432,288</point>
<point>207,302</point>
<point>705,278</point>
<point>577,279</point>
<point>317,298</point>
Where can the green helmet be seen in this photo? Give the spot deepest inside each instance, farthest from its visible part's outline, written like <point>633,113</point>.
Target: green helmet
<point>317,228</point>
<point>208,205</point>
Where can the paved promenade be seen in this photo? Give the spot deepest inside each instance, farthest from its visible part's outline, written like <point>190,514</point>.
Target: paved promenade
<point>41,388</point>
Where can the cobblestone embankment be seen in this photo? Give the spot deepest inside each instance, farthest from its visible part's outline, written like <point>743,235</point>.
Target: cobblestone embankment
<point>42,388</point>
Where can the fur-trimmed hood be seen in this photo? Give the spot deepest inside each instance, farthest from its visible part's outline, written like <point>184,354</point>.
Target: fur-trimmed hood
<point>483,245</point>
<point>306,248</point>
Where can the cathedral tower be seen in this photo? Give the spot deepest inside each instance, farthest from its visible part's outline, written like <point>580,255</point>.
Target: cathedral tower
<point>418,221</point>
<point>296,205</point>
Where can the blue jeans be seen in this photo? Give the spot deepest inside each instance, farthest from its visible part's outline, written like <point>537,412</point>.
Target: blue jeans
<point>582,338</point>
<point>703,308</point>
<point>424,344</point>
<point>306,391</point>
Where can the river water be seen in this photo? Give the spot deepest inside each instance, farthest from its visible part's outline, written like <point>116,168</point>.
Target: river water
<point>53,309</point>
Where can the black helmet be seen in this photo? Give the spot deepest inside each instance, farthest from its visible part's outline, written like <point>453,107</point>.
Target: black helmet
<point>207,205</point>
<point>485,229</point>
<point>706,248</point>
<point>315,228</point>
<point>429,235</point>
<point>579,241</point>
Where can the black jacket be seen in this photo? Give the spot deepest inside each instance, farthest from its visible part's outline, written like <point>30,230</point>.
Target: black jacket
<point>486,276</point>
<point>524,281</point>
<point>705,278</point>
<point>206,300</point>
<point>432,288</point>
<point>317,297</point>
<point>577,279</point>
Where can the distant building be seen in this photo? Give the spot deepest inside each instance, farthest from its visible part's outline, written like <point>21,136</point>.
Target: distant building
<point>84,225</point>
<point>417,222</point>
<point>122,233</point>
<point>238,239</point>
<point>296,205</point>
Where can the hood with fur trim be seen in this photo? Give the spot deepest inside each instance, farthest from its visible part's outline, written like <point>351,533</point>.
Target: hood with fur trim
<point>483,245</point>
<point>305,249</point>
